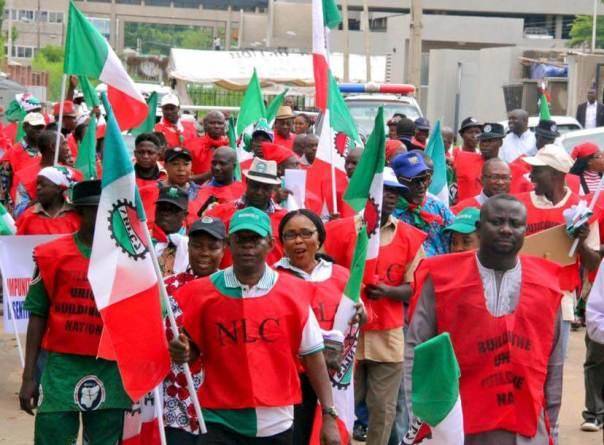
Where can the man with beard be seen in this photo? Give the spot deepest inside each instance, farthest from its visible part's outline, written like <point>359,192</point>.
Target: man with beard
<point>203,148</point>
<point>520,140</point>
<point>502,311</point>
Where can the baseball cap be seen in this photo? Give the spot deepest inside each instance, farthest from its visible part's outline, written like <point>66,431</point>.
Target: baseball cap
<point>174,195</point>
<point>492,130</point>
<point>469,122</point>
<point>34,119</point>
<point>86,193</point>
<point>552,156</point>
<point>583,150</point>
<point>263,127</point>
<point>263,171</point>
<point>177,152</point>
<point>465,221</point>
<point>409,165</point>
<point>170,99</point>
<point>391,181</point>
<point>252,219</point>
<point>421,123</point>
<point>68,108</point>
<point>212,226</point>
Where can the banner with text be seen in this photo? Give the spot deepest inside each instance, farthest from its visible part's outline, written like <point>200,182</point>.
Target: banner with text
<point>17,268</point>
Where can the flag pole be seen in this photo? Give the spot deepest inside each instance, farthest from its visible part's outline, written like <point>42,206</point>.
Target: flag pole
<point>159,412</point>
<point>174,327</point>
<point>60,123</point>
<point>592,204</point>
<point>331,161</point>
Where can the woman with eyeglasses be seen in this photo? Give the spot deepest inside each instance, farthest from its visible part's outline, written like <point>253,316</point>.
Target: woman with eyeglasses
<point>302,234</point>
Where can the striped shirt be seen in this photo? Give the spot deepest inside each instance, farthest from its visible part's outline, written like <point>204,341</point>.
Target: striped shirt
<point>264,421</point>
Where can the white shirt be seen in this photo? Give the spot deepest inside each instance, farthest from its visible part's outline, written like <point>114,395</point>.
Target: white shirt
<point>515,146</point>
<point>591,110</point>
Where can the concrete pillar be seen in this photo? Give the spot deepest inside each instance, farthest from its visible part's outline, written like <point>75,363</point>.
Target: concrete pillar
<point>121,32</point>
<point>240,33</point>
<point>558,27</point>
<point>228,31</point>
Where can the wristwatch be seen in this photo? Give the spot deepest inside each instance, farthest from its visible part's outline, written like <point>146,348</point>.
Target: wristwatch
<point>330,411</point>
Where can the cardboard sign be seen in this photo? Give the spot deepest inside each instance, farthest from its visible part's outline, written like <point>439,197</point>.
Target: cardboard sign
<point>552,244</point>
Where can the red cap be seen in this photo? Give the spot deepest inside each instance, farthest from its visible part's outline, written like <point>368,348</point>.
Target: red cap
<point>393,147</point>
<point>68,108</point>
<point>584,149</point>
<point>276,152</point>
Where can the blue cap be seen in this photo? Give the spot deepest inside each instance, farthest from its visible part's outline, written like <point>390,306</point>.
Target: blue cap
<point>421,123</point>
<point>409,165</point>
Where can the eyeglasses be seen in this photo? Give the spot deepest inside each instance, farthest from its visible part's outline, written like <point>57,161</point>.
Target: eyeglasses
<point>502,178</point>
<point>304,234</point>
<point>417,180</point>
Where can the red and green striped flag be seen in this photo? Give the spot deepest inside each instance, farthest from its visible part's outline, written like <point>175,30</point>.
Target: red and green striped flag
<point>87,53</point>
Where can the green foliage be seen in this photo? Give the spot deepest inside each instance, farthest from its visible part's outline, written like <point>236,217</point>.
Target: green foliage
<point>50,59</point>
<point>158,39</point>
<point>581,31</point>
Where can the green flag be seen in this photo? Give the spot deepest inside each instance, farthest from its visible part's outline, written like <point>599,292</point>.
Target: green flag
<point>273,107</point>
<point>86,160</point>
<point>331,14</point>
<point>339,116</point>
<point>7,223</point>
<point>90,96</point>
<point>149,122</point>
<point>252,106</point>
<point>544,114</point>
<point>16,113</point>
<point>436,150</point>
<point>233,143</point>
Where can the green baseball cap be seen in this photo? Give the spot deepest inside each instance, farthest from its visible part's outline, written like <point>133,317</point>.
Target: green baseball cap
<point>465,221</point>
<point>251,219</point>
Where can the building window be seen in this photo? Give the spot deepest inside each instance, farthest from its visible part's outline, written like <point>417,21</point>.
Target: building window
<point>26,15</point>
<point>102,25</point>
<point>23,52</point>
<point>55,17</point>
<point>41,16</point>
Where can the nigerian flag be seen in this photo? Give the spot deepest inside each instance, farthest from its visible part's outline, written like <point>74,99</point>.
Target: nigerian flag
<point>435,395</point>
<point>7,223</point>
<point>342,381</point>
<point>436,151</point>
<point>544,113</point>
<point>273,107</point>
<point>149,122</point>
<point>86,159</point>
<point>233,144</point>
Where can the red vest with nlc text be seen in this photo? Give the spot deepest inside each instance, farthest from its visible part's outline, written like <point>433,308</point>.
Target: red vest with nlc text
<point>74,324</point>
<point>503,360</point>
<point>542,219</point>
<point>249,346</point>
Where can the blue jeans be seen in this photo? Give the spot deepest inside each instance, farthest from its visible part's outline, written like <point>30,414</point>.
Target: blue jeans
<point>362,414</point>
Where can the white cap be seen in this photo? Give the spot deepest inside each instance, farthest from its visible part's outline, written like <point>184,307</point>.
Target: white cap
<point>553,156</point>
<point>34,119</point>
<point>170,99</point>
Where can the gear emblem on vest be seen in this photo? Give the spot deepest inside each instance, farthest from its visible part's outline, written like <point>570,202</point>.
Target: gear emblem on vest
<point>126,229</point>
<point>89,393</point>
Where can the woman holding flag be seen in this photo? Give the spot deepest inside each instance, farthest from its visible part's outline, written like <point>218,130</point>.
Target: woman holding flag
<point>302,234</point>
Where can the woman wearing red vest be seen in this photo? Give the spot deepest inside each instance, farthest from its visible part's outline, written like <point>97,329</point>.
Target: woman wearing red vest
<point>250,331</point>
<point>302,234</point>
<point>51,214</point>
<point>503,314</point>
<point>64,321</point>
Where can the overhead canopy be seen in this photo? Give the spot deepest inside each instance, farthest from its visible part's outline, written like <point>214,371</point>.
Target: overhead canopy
<point>233,69</point>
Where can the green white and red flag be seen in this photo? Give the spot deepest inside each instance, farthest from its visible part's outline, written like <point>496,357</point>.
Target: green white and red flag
<point>366,189</point>
<point>342,381</point>
<point>87,53</point>
<point>122,275</point>
<point>435,395</point>
<point>325,16</point>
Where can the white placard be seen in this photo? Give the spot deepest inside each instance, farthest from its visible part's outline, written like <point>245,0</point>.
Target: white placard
<point>295,181</point>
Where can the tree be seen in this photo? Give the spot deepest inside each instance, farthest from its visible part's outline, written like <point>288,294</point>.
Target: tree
<point>158,39</point>
<point>581,31</point>
<point>50,59</point>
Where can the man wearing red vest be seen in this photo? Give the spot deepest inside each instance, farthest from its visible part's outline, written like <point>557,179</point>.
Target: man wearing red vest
<point>380,350</point>
<point>262,181</point>
<point>283,127</point>
<point>221,187</point>
<point>495,179</point>
<point>502,312</point>
<point>251,330</point>
<point>203,147</point>
<point>468,165</point>
<point>64,321</point>
<point>178,132</point>
<point>146,155</point>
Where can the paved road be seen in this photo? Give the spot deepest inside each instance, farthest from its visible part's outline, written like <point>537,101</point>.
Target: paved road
<point>16,428</point>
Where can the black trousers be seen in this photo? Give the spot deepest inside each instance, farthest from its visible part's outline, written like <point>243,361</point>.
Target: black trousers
<point>220,435</point>
<point>304,413</point>
<point>593,371</point>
